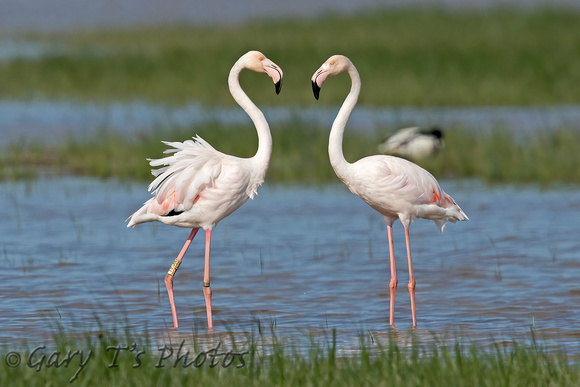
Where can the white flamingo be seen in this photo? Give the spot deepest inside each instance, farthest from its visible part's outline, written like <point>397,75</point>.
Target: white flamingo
<point>395,187</point>
<point>198,186</point>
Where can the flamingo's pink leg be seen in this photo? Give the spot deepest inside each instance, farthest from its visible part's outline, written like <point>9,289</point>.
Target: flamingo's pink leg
<point>206,288</point>
<point>171,273</point>
<point>394,281</point>
<point>411,277</point>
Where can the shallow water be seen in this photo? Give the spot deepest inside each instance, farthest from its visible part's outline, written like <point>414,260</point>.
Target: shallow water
<point>302,259</point>
<point>53,121</point>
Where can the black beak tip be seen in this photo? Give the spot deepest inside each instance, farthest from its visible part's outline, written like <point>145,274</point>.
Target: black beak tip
<point>315,90</point>
<point>278,86</point>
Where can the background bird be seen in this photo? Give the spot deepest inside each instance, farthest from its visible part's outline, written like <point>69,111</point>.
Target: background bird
<point>197,186</point>
<point>413,143</point>
<point>395,187</point>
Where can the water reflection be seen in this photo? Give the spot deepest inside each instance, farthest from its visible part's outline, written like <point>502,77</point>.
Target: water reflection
<point>296,258</point>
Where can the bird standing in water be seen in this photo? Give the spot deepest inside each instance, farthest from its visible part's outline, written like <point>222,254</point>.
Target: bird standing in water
<point>395,187</point>
<point>197,186</point>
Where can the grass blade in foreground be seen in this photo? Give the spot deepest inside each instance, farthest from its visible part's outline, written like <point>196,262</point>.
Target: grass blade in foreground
<point>262,359</point>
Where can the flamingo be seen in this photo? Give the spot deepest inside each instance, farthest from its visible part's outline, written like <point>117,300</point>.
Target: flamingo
<point>413,143</point>
<point>197,186</point>
<point>395,187</point>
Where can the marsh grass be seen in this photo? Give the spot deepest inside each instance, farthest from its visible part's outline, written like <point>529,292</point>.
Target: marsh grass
<point>545,158</point>
<point>300,155</point>
<point>406,57</point>
<point>269,360</point>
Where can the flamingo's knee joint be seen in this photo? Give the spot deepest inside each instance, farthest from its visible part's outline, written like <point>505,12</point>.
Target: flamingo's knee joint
<point>169,280</point>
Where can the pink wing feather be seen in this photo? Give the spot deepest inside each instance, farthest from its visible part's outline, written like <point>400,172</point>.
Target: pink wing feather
<point>193,167</point>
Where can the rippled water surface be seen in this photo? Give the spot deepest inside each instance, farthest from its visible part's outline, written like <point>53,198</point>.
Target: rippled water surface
<point>297,258</point>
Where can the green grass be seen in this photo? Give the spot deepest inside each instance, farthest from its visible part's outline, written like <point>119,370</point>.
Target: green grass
<point>417,57</point>
<point>546,158</point>
<point>410,57</point>
<point>278,363</point>
<point>300,155</point>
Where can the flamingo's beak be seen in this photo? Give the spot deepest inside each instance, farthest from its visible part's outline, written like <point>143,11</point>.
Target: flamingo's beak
<point>274,72</point>
<point>319,77</point>
<point>315,89</point>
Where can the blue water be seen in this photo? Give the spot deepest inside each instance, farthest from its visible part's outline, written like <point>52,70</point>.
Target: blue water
<point>53,120</point>
<point>297,257</point>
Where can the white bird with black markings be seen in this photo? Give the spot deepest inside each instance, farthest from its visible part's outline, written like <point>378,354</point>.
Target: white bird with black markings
<point>413,143</point>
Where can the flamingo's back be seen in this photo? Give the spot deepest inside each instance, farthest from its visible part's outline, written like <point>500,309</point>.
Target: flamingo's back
<point>398,188</point>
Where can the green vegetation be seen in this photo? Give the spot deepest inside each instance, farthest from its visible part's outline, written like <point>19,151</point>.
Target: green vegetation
<point>499,158</point>
<point>300,155</point>
<point>267,361</point>
<point>405,57</point>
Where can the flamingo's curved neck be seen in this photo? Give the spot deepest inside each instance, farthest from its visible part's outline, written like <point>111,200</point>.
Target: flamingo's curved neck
<point>262,156</point>
<point>337,160</point>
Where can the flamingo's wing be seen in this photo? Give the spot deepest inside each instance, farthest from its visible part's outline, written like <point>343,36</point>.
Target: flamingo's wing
<point>399,179</point>
<point>193,167</point>
<point>417,187</point>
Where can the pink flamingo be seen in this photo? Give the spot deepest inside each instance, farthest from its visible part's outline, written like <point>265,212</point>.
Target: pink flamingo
<point>395,187</point>
<point>198,186</point>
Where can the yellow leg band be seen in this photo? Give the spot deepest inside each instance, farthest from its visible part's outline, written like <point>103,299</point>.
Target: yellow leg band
<point>174,267</point>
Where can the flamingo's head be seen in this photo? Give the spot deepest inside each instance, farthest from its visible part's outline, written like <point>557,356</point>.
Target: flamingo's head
<point>336,64</point>
<point>256,61</point>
